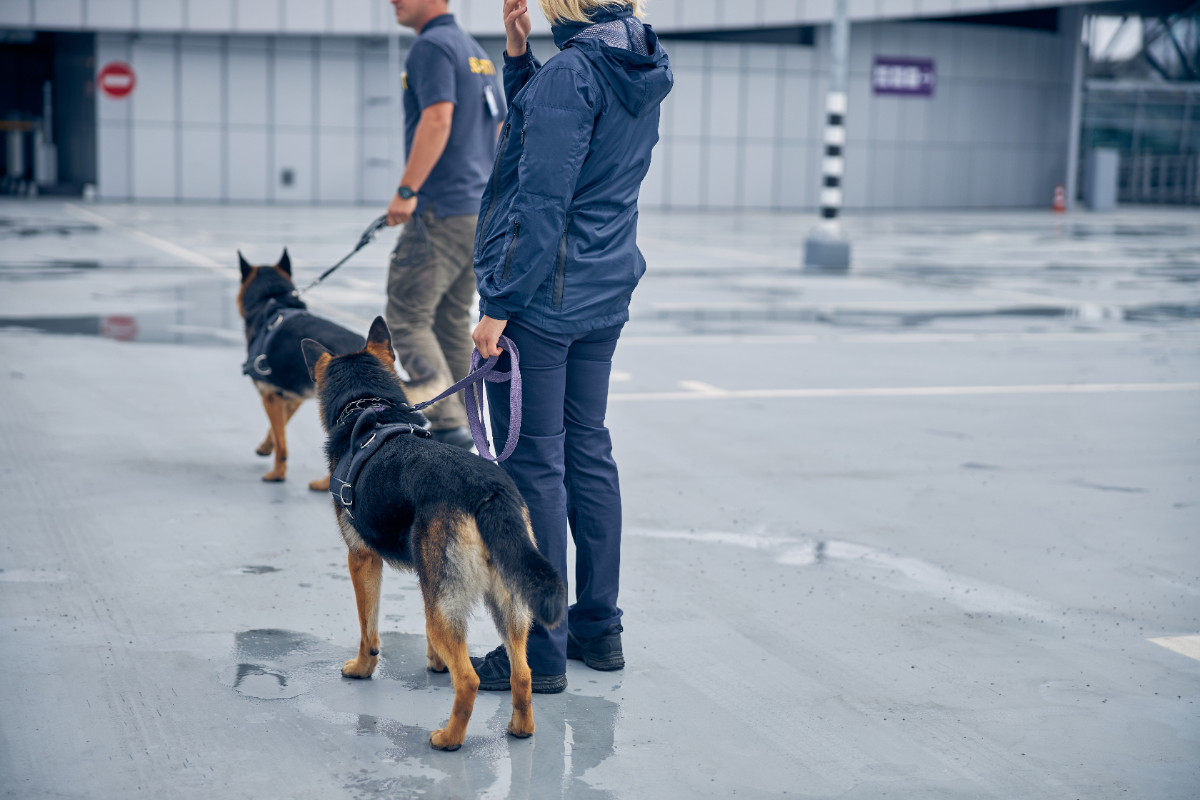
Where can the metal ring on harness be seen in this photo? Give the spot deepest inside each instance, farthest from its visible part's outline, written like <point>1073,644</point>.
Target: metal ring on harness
<point>257,365</point>
<point>342,495</point>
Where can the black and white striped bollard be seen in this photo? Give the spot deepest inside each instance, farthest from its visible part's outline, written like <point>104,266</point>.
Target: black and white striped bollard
<point>826,248</point>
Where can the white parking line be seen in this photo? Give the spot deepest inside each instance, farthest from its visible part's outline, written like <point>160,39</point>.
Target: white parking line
<point>699,391</point>
<point>1096,337</point>
<point>190,256</point>
<point>1184,645</point>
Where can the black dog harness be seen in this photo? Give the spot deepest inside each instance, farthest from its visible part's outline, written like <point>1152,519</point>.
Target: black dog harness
<point>365,441</point>
<point>256,365</point>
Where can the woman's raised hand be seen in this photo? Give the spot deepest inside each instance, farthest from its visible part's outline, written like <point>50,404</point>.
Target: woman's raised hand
<point>517,26</point>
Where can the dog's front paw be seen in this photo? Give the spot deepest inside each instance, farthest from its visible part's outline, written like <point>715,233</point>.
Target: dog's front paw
<point>359,667</point>
<point>320,486</point>
<point>521,728</point>
<point>442,740</point>
<point>435,664</point>
<point>275,476</point>
<point>266,448</point>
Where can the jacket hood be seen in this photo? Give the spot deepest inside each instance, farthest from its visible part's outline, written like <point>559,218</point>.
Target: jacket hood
<point>640,82</point>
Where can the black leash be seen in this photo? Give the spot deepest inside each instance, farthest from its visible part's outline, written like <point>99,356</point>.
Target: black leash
<point>368,235</point>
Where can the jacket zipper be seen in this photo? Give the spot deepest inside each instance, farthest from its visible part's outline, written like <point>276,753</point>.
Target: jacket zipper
<point>496,177</point>
<point>560,272</point>
<point>512,248</point>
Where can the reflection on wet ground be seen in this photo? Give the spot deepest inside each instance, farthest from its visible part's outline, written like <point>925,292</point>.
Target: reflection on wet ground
<point>739,277</point>
<point>575,732</point>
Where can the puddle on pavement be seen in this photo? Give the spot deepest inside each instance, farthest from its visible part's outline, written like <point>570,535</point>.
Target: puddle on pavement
<point>254,680</point>
<point>25,228</point>
<point>148,307</point>
<point>575,732</point>
<point>864,318</point>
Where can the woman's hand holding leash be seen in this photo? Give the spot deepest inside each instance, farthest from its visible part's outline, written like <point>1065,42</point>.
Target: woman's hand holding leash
<point>517,26</point>
<point>487,335</point>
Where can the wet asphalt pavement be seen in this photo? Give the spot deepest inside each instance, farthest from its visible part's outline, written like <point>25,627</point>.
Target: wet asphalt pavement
<point>904,533</point>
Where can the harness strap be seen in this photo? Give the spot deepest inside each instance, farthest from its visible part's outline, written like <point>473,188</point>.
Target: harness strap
<point>341,483</point>
<point>487,372</point>
<point>256,365</point>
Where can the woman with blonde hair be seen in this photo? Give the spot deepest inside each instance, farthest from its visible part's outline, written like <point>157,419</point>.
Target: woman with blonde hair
<point>556,261</point>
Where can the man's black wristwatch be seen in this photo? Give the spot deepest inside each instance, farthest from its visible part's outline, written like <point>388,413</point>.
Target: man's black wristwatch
<point>406,193</point>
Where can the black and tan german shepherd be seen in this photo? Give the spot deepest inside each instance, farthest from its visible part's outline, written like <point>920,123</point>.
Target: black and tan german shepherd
<point>288,385</point>
<point>455,519</point>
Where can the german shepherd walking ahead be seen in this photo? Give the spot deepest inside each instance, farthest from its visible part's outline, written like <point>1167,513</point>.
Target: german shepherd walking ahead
<point>288,383</point>
<point>455,519</point>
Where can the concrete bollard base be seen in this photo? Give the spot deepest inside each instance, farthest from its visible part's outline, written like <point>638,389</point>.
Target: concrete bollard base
<point>825,254</point>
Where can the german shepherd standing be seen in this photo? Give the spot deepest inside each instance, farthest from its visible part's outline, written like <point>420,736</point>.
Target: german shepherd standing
<point>455,519</point>
<point>289,384</point>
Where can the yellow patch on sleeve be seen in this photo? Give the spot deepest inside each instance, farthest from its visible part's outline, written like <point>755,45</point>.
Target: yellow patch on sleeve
<point>404,80</point>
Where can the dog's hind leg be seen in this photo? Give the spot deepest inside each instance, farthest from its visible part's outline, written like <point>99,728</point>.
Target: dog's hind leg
<point>267,446</point>
<point>366,572</point>
<point>448,640</point>
<point>521,724</point>
<point>277,412</point>
<point>321,485</point>
<point>512,623</point>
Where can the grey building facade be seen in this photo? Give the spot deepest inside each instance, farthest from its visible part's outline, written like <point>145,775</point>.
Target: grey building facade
<point>283,101</point>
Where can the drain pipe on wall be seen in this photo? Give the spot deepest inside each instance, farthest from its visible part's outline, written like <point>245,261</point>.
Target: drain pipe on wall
<point>826,248</point>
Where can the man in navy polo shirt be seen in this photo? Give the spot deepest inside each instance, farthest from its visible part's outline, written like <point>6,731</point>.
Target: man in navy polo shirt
<point>453,109</point>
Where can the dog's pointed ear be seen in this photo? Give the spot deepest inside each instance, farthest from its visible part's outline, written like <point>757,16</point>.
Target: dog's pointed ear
<point>379,342</point>
<point>285,263</point>
<point>245,266</point>
<point>316,357</point>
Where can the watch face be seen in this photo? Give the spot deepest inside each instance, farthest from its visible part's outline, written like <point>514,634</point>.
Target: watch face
<point>406,193</point>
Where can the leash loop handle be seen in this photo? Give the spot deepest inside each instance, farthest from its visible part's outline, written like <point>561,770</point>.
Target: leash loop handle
<point>481,372</point>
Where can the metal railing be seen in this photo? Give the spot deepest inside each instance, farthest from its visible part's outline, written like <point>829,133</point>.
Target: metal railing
<point>1169,179</point>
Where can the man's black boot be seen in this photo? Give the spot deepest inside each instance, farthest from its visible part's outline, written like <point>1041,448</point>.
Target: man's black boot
<point>602,652</point>
<point>495,674</point>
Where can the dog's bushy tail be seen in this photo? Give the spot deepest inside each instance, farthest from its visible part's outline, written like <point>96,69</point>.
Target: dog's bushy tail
<point>526,572</point>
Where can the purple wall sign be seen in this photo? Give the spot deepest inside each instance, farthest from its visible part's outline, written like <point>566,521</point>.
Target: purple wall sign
<point>914,77</point>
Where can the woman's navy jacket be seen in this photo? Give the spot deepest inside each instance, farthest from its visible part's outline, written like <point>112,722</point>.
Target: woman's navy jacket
<point>556,245</point>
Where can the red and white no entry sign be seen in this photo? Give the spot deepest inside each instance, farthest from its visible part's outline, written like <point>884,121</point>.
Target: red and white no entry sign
<point>116,79</point>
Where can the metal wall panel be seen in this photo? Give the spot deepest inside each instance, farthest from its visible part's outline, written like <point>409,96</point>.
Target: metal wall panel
<point>247,177</point>
<point>259,16</point>
<point>55,13</point>
<point>338,159</point>
<point>155,164</point>
<point>159,15</point>
<point>200,81</point>
<point>352,16</point>
<point>200,162</point>
<point>338,92</point>
<point>210,15</point>
<point>109,14</point>
<point>153,58</point>
<point>306,16</point>
<point>293,150</point>
<point>248,69</point>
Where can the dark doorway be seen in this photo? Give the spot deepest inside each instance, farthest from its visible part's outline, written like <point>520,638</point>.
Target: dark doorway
<point>47,112</point>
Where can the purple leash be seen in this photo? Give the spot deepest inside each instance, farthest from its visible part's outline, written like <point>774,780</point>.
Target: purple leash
<point>474,408</point>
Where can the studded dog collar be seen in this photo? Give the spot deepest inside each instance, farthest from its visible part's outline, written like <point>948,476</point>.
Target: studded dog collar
<point>362,404</point>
